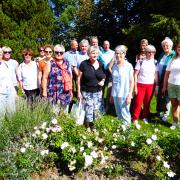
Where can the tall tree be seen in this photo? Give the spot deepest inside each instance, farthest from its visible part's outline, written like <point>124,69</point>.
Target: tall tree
<point>25,24</point>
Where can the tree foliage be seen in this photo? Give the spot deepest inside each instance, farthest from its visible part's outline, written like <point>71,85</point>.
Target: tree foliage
<point>25,24</point>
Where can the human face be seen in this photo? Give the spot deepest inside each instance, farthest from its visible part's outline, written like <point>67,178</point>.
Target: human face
<point>106,45</point>
<point>84,48</point>
<point>150,54</point>
<point>59,53</point>
<point>7,54</point>
<point>74,45</point>
<point>143,47</point>
<point>48,52</point>
<point>166,48</point>
<point>178,50</point>
<point>94,42</point>
<point>41,52</point>
<point>93,56</point>
<point>120,55</point>
<point>27,57</point>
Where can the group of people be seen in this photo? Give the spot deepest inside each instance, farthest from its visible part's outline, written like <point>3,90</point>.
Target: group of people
<point>55,75</point>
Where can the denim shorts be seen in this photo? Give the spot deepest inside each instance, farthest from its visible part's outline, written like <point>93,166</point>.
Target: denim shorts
<point>174,91</point>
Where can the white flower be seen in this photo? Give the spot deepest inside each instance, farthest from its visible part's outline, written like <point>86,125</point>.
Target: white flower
<point>124,138</point>
<point>88,160</point>
<point>100,140</point>
<point>73,150</point>
<point>115,139</point>
<point>59,129</point>
<point>44,152</point>
<point>43,126</point>
<point>158,158</point>
<point>166,165</point>
<point>64,145</point>
<point>35,128</point>
<point>103,159</point>
<point>54,129</point>
<point>33,135</point>
<point>148,141</point>
<point>84,154</point>
<point>156,130</point>
<point>72,162</point>
<point>54,121</point>
<point>44,136</point>
<point>71,168</point>
<point>117,130</point>
<point>48,130</point>
<point>171,174</point>
<point>105,148</point>
<point>114,135</point>
<point>113,146</point>
<point>154,137</point>
<point>94,154</point>
<point>27,145</point>
<point>88,129</point>
<point>123,127</point>
<point>132,144</point>
<point>23,150</point>
<point>37,132</point>
<point>89,144</point>
<point>81,149</point>
<point>84,137</point>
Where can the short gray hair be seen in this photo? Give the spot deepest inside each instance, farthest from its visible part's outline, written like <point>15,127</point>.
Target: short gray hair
<point>84,41</point>
<point>59,46</point>
<point>6,48</point>
<point>91,49</point>
<point>150,48</point>
<point>121,48</point>
<point>167,40</point>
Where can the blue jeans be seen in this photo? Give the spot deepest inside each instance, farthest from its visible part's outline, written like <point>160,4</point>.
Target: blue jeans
<point>122,110</point>
<point>92,102</point>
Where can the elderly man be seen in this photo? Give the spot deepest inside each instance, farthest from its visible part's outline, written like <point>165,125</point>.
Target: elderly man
<point>12,65</point>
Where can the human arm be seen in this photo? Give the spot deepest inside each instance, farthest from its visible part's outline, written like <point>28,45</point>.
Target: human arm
<point>136,72</point>
<point>45,80</point>
<point>111,65</point>
<point>131,88</point>
<point>78,84</point>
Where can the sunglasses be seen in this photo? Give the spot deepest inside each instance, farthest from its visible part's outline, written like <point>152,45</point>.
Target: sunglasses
<point>7,52</point>
<point>59,52</point>
<point>48,52</point>
<point>42,50</point>
<point>152,52</point>
<point>27,54</point>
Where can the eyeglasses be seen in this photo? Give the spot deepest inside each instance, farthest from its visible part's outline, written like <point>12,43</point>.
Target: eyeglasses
<point>27,54</point>
<point>153,52</point>
<point>48,52</point>
<point>41,50</point>
<point>7,52</point>
<point>59,52</point>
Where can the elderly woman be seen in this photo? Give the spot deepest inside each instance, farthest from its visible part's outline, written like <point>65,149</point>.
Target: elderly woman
<point>28,75</point>
<point>7,90</point>
<point>172,82</point>
<point>57,81</point>
<point>163,103</point>
<point>122,85</point>
<point>12,64</point>
<point>90,82</point>
<point>144,78</point>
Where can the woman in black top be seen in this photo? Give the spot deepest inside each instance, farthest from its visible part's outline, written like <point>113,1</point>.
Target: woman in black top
<point>89,85</point>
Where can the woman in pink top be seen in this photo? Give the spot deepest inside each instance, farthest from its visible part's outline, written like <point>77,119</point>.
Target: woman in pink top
<point>145,78</point>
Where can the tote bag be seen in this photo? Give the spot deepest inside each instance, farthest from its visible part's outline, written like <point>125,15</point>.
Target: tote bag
<point>78,113</point>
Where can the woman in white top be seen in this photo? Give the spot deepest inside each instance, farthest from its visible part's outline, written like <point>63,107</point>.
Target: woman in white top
<point>28,75</point>
<point>7,90</point>
<point>172,82</point>
<point>144,78</point>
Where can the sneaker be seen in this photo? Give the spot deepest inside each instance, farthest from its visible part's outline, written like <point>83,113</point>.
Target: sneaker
<point>164,118</point>
<point>145,120</point>
<point>138,126</point>
<point>174,125</point>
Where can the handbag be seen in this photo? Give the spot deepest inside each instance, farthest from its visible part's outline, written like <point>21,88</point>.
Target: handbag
<point>78,113</point>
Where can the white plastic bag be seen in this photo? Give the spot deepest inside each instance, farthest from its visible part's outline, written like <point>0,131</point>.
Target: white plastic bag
<point>78,113</point>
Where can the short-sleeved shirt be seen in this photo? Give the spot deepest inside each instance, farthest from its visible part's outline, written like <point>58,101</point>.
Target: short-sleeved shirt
<point>41,65</point>
<point>174,68</point>
<point>71,57</point>
<point>80,58</point>
<point>146,70</point>
<point>28,74</point>
<point>91,77</point>
<point>121,77</point>
<point>13,65</point>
